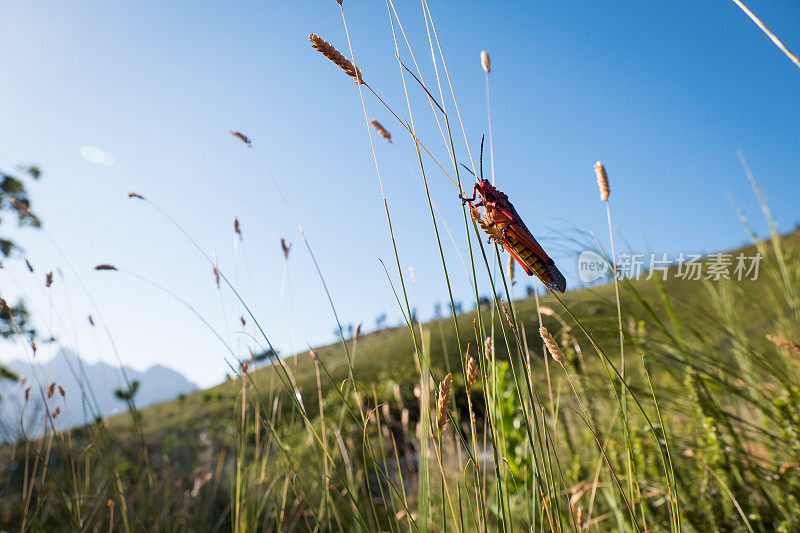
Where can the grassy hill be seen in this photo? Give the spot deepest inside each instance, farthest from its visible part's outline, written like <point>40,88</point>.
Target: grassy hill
<point>387,357</point>
<point>708,439</point>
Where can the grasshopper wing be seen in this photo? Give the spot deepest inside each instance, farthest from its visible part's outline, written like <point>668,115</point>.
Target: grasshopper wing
<point>529,253</point>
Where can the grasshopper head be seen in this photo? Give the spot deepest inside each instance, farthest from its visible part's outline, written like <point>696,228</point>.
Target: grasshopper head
<point>484,187</point>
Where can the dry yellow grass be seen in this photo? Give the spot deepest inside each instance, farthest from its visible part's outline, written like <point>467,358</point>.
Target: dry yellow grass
<point>784,343</point>
<point>472,372</point>
<point>552,345</point>
<point>326,49</point>
<point>443,402</point>
<point>602,181</point>
<point>383,132</point>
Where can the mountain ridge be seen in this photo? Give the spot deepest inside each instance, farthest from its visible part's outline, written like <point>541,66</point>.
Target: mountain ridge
<point>80,404</point>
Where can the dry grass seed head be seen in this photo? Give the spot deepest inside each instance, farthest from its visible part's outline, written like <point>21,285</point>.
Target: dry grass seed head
<point>135,195</point>
<point>485,62</point>
<point>48,279</point>
<point>381,130</point>
<point>472,372</point>
<point>443,402</point>
<point>237,229</point>
<point>29,265</point>
<point>50,390</point>
<point>507,315</point>
<point>324,48</point>
<point>511,268</point>
<point>784,343</point>
<point>56,412</point>
<point>552,345</point>
<point>488,347</point>
<point>286,247</point>
<point>242,137</point>
<point>602,181</point>
<point>23,208</point>
<point>61,391</point>
<point>105,267</point>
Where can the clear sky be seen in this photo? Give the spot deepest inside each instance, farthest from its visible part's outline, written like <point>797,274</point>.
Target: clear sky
<point>665,93</point>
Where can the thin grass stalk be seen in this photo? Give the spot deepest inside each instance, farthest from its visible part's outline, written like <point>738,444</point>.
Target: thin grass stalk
<point>424,430</point>
<point>504,506</point>
<point>608,364</point>
<point>793,58</point>
<point>599,467</point>
<point>357,512</point>
<point>240,523</point>
<point>552,490</point>
<point>49,419</point>
<point>430,204</point>
<point>450,84</point>
<point>630,509</point>
<point>452,158</point>
<point>445,491</point>
<point>791,291</point>
<point>533,398</point>
<point>391,8</point>
<point>486,69</point>
<point>528,424</point>
<point>402,495</point>
<point>672,484</point>
<point>121,366</point>
<point>367,452</point>
<point>430,201</point>
<point>314,260</point>
<point>490,389</point>
<point>324,432</point>
<point>380,183</point>
<point>379,432</point>
<point>531,392</point>
<point>602,179</point>
<point>474,436</point>
<point>438,212</point>
<point>559,358</point>
<point>122,501</point>
<point>285,378</point>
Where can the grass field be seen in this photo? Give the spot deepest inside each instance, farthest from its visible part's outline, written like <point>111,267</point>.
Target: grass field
<point>724,391</point>
<point>642,405</point>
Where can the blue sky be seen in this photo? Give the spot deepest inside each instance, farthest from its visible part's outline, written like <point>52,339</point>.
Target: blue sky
<point>664,93</point>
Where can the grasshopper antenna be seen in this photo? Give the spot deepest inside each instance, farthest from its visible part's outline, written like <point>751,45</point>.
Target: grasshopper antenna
<point>467,169</point>
<point>482,136</point>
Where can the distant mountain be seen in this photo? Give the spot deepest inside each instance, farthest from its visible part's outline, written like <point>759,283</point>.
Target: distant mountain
<point>89,392</point>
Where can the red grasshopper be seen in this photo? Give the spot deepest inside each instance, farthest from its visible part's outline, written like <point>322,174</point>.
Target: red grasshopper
<point>503,224</point>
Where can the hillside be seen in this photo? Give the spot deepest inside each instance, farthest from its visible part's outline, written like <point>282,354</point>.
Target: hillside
<point>721,395</point>
<point>386,358</point>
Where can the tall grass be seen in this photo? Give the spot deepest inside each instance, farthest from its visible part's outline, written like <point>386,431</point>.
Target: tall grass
<point>461,424</point>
